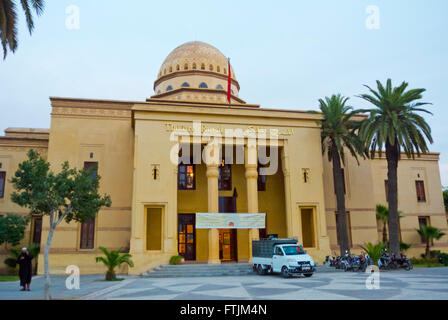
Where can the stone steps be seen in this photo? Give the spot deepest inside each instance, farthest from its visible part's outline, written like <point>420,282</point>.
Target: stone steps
<point>200,270</point>
<point>207,270</point>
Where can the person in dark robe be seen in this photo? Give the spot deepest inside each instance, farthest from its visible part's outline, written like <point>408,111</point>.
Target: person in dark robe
<point>25,269</point>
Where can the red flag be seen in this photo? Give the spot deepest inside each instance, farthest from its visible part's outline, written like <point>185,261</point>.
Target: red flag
<point>229,83</point>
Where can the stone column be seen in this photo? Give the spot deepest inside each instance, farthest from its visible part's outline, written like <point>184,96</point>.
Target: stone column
<point>212,157</point>
<point>251,163</point>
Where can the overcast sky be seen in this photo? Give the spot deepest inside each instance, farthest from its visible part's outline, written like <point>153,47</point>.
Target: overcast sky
<point>286,54</point>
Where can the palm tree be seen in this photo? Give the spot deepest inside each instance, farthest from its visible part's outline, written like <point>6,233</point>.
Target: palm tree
<point>394,122</point>
<point>429,234</point>
<point>374,251</point>
<point>337,135</point>
<point>9,22</point>
<point>112,260</point>
<point>382,214</point>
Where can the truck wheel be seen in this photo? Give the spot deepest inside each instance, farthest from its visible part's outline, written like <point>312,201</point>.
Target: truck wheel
<point>285,272</point>
<point>260,270</point>
<point>307,275</point>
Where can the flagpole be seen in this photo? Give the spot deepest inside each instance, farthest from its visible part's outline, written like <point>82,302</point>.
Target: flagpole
<point>229,85</point>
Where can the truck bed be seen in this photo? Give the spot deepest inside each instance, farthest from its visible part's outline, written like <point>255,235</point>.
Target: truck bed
<point>265,248</point>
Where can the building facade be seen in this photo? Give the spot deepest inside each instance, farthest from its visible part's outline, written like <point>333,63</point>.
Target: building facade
<point>191,174</point>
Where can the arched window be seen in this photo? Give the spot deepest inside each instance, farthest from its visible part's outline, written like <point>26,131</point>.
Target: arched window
<point>203,85</point>
<point>171,69</point>
<point>164,71</point>
<point>211,67</point>
<point>202,66</point>
<point>185,84</point>
<point>219,87</point>
<point>186,66</point>
<point>218,69</point>
<point>170,87</point>
<point>225,71</point>
<point>177,67</point>
<point>231,91</point>
<point>194,66</point>
<point>158,92</point>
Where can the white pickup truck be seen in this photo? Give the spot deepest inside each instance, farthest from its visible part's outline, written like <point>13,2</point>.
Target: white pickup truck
<point>281,256</point>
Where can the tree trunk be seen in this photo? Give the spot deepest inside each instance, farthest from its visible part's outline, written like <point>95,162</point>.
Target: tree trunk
<point>384,232</point>
<point>392,152</point>
<point>428,251</point>
<point>46,264</point>
<point>341,225</point>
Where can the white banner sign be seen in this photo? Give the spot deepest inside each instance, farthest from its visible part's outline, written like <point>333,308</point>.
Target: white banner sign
<point>230,220</point>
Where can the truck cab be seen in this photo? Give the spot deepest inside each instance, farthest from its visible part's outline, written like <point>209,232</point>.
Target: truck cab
<point>290,259</point>
<point>281,256</point>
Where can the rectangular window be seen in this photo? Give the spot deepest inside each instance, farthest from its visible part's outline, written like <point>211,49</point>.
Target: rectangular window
<point>261,179</point>
<point>2,183</point>
<point>225,177</point>
<point>386,188</point>
<point>154,229</point>
<point>307,219</point>
<point>87,234</point>
<point>349,228</point>
<point>88,228</point>
<point>186,177</point>
<point>343,181</point>
<point>92,166</point>
<point>420,187</point>
<point>37,229</point>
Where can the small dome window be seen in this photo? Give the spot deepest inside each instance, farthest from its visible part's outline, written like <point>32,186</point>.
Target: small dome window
<point>170,87</point>
<point>158,92</point>
<point>185,85</point>
<point>186,66</point>
<point>171,69</point>
<point>218,69</point>
<point>219,87</point>
<point>203,85</point>
<point>232,91</point>
<point>225,71</point>
<point>177,67</point>
<point>210,67</point>
<point>202,66</point>
<point>164,71</point>
<point>194,66</point>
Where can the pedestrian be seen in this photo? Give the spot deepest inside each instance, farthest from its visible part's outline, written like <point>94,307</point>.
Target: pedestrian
<point>25,269</point>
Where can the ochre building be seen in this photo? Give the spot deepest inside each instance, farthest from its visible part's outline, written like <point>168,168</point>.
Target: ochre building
<point>161,207</point>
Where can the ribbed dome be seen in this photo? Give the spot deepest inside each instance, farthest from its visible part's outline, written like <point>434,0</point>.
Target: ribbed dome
<point>195,56</point>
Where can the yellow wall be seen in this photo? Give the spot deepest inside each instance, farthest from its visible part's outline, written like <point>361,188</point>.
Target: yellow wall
<point>365,188</point>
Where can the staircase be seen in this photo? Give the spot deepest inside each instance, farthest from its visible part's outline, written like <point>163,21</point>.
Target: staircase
<point>200,270</point>
<point>211,270</point>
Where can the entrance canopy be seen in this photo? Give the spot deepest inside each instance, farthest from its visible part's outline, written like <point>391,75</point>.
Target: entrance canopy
<point>230,220</point>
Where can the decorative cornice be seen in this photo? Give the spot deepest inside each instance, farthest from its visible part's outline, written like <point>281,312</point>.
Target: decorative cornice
<point>194,72</point>
<point>195,90</point>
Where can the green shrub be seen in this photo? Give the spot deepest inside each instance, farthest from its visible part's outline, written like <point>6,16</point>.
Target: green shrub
<point>175,260</point>
<point>443,258</point>
<point>424,260</point>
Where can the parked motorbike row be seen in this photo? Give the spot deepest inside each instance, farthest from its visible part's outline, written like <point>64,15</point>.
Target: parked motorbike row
<point>356,263</point>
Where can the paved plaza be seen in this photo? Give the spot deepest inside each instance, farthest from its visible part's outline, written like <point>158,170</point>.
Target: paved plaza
<point>418,284</point>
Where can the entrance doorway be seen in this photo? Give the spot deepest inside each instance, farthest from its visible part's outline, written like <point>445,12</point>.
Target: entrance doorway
<point>187,236</point>
<point>228,237</point>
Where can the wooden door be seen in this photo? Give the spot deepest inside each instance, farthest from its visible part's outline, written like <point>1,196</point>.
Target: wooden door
<point>187,236</point>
